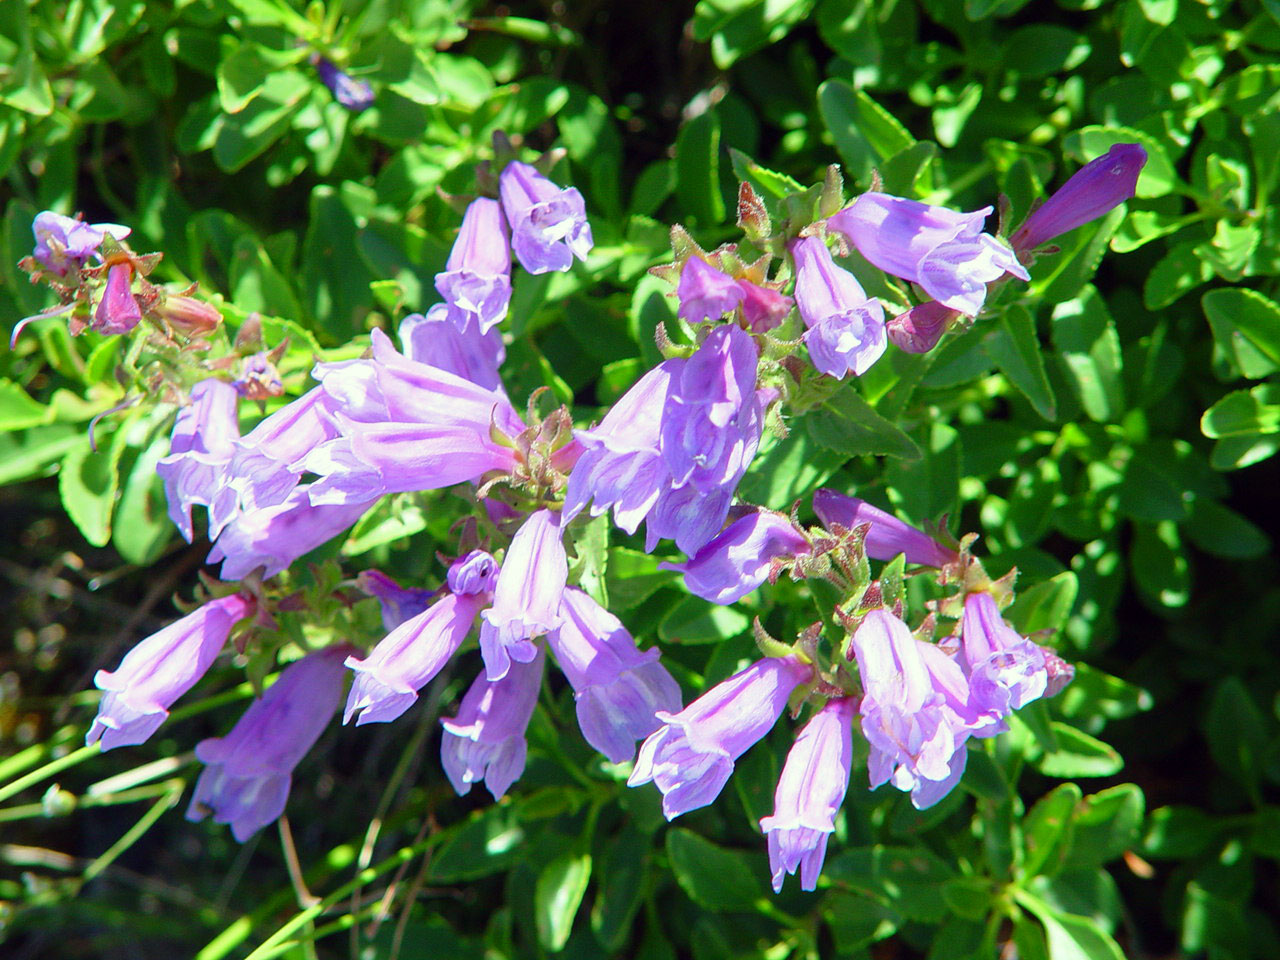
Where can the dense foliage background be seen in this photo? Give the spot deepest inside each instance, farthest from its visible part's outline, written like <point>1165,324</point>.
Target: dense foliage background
<point>1116,446</point>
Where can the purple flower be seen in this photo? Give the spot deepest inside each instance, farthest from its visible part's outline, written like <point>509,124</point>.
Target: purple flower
<point>436,341</point>
<point>691,756</point>
<point>763,308</point>
<point>943,251</point>
<point>259,379</point>
<point>1098,187</point>
<point>202,443</point>
<point>846,327</point>
<point>739,559</point>
<point>248,772</point>
<point>265,467</point>
<point>706,293</point>
<point>477,572</point>
<point>887,537</point>
<point>405,661</point>
<point>405,426</point>
<point>398,603</point>
<point>485,741</point>
<point>810,791</point>
<point>476,282</point>
<point>617,688</point>
<point>548,224</point>
<point>118,310</point>
<point>917,742</point>
<point>919,329</point>
<point>1005,669</point>
<point>159,670</point>
<point>273,537</point>
<point>526,600</point>
<point>355,95</point>
<point>622,466</point>
<point>65,242</point>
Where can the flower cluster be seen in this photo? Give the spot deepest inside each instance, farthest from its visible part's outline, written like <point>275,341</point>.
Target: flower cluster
<point>671,453</point>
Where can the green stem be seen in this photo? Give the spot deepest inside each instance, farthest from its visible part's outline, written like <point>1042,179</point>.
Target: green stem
<point>48,770</point>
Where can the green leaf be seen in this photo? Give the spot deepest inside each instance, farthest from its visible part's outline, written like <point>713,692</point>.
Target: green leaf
<point>865,134</point>
<point>17,410</point>
<point>1071,937</point>
<point>1244,413</point>
<point>490,841</point>
<point>698,169</point>
<point>1179,833</point>
<point>23,85</point>
<point>240,77</point>
<point>142,527</point>
<point>1256,317</point>
<point>33,453</point>
<point>769,185</point>
<point>1079,755</point>
<point>907,879</point>
<point>1015,348</point>
<point>240,137</point>
<point>847,424</point>
<point>1086,339</point>
<point>783,471</point>
<point>1222,532</point>
<point>1239,734</point>
<point>1159,564</point>
<point>741,27</point>
<point>1106,825</point>
<point>693,620</point>
<point>633,577</point>
<point>1177,272</point>
<point>1046,831</point>
<point>1039,50</point>
<point>1046,605</point>
<point>621,888</point>
<point>557,897</point>
<point>88,482</point>
<point>714,878</point>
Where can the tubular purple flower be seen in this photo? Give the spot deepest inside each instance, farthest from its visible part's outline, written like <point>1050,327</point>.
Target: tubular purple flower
<point>160,669</point>
<point>810,791</point>
<point>688,516</point>
<point>888,535</point>
<point>118,310</point>
<point>548,223</point>
<point>763,308</point>
<point>1097,188</point>
<point>477,572</point>
<point>437,342</point>
<point>200,447</point>
<point>389,678</point>
<point>265,467</point>
<point>919,329</point>
<point>273,537</point>
<point>618,689</point>
<point>248,772</point>
<point>355,95</point>
<point>1005,669</point>
<point>846,327</point>
<point>943,251</point>
<point>526,600</point>
<point>706,293</point>
<point>476,282</point>
<point>916,741</point>
<point>65,242</point>
<point>398,603</point>
<point>739,559</point>
<point>691,756</point>
<point>485,741</point>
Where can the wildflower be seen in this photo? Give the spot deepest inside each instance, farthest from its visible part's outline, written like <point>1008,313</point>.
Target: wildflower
<point>273,537</point>
<point>476,282</point>
<point>398,603</point>
<point>548,223</point>
<point>64,243</point>
<point>618,689</point>
<point>259,379</point>
<point>740,558</point>
<point>1005,669</point>
<point>201,445</point>
<point>248,772</point>
<point>159,670</point>
<point>526,599</point>
<point>355,95</point>
<point>265,466</point>
<point>763,308</point>
<point>916,742</point>
<point>810,791</point>
<point>919,329</point>
<point>706,293</point>
<point>477,572</point>
<point>389,678</point>
<point>691,756</point>
<point>485,741</point>
<point>189,316</point>
<point>469,354</point>
<point>943,251</point>
<point>118,310</point>
<point>846,327</point>
<point>1098,187</point>
<point>887,536</point>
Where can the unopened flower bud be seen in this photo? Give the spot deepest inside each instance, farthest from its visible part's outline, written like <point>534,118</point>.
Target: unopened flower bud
<point>919,329</point>
<point>118,310</point>
<point>259,378</point>
<point>1098,187</point>
<point>189,316</point>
